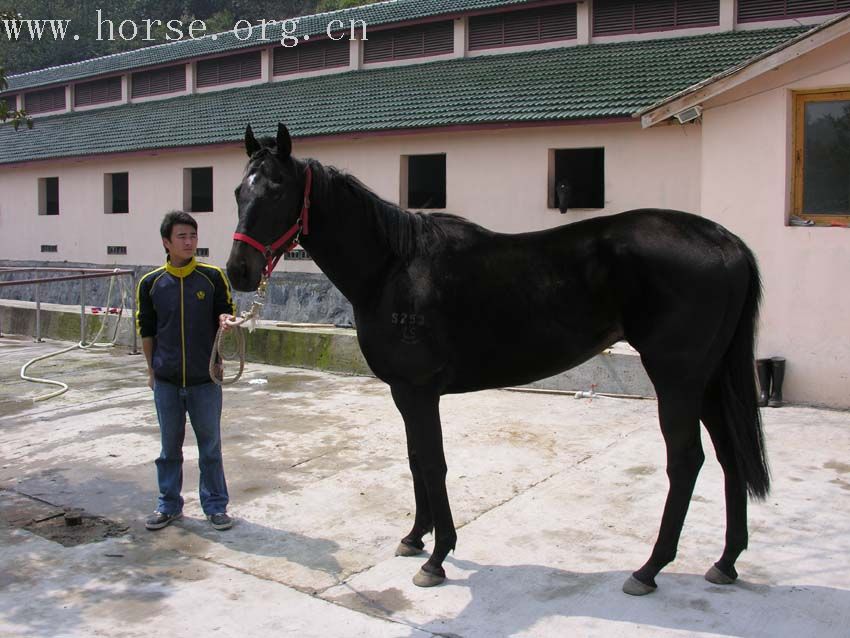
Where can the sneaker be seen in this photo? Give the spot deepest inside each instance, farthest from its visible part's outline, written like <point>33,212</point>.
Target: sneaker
<point>158,520</point>
<point>220,521</point>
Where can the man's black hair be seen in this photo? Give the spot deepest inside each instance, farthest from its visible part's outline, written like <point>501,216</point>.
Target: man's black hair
<point>175,217</point>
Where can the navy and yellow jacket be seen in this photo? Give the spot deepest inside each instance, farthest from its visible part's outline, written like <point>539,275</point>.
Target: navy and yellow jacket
<point>180,308</point>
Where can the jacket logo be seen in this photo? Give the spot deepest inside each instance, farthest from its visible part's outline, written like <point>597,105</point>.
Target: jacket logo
<point>200,295</point>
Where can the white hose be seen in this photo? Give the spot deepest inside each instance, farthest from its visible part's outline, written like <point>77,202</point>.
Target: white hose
<point>81,345</point>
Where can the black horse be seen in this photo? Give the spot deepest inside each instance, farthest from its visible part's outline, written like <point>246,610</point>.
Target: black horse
<point>443,305</point>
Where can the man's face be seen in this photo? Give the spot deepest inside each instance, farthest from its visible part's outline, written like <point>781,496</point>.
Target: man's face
<point>182,243</point>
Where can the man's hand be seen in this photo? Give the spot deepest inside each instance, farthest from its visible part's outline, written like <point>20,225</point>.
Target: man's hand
<point>223,321</point>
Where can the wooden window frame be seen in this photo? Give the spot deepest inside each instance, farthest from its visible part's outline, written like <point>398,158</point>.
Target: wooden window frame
<point>800,99</point>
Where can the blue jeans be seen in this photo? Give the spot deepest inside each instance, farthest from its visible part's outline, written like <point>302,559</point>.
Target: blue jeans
<point>203,403</point>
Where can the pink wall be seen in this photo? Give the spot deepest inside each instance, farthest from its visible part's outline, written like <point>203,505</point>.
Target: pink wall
<point>746,185</point>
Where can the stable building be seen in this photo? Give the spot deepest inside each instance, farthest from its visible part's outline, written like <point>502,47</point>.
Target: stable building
<point>735,110</point>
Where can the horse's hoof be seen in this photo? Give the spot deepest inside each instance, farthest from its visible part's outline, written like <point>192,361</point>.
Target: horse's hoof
<point>427,579</point>
<point>717,577</point>
<point>404,549</point>
<point>633,587</point>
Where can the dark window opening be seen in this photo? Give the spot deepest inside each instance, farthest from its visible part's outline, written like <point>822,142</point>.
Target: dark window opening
<point>49,248</point>
<point>584,171</point>
<point>118,195</point>
<point>116,250</point>
<point>426,181</point>
<point>199,190</point>
<point>48,196</point>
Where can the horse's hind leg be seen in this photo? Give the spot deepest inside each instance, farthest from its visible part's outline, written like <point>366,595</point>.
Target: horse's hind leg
<point>678,411</point>
<point>419,408</point>
<point>723,571</point>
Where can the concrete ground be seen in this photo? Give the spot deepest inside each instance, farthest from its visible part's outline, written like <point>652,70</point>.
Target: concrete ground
<point>556,501</point>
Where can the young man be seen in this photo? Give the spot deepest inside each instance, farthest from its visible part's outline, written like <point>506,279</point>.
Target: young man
<point>180,307</point>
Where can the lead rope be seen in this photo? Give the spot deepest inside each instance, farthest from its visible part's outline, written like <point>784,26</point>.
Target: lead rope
<point>250,316</point>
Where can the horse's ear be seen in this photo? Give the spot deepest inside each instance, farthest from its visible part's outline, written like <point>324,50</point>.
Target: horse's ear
<point>251,143</point>
<point>284,142</point>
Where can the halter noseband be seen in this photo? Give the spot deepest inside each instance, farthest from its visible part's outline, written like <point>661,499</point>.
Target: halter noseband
<point>289,238</point>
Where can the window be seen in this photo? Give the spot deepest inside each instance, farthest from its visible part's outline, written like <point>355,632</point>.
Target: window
<point>198,190</point>
<point>44,101</point>
<point>756,10</point>
<point>530,26</point>
<point>11,101</point>
<point>614,17</point>
<point>202,252</point>
<point>425,184</point>
<point>49,248</point>
<point>116,193</point>
<point>312,56</point>
<point>97,92</point>
<point>169,79</point>
<point>48,196</point>
<point>584,171</point>
<point>116,250</point>
<point>822,156</point>
<point>232,68</point>
<point>434,38</point>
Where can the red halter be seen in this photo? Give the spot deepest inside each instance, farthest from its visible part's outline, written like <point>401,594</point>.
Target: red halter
<point>289,238</point>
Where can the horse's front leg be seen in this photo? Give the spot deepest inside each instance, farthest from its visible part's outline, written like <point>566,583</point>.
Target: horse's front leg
<point>423,522</point>
<point>420,410</point>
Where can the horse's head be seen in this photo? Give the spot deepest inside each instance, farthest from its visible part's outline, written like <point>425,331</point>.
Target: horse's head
<point>563,190</point>
<point>269,201</point>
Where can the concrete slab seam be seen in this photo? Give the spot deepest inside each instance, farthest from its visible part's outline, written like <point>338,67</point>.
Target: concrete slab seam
<point>531,486</point>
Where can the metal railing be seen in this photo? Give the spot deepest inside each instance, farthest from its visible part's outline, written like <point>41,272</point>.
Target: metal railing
<point>81,274</point>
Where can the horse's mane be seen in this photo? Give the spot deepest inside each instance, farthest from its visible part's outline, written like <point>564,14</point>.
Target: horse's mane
<point>407,234</point>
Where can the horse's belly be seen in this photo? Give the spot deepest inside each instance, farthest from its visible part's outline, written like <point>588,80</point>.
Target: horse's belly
<point>519,366</point>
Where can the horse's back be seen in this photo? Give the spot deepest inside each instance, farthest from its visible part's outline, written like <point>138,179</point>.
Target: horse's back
<point>492,309</point>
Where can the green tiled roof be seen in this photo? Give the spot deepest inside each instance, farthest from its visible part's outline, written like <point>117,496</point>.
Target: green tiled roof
<point>373,14</point>
<point>570,83</point>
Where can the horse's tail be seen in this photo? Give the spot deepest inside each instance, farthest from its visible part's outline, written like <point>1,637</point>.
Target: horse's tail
<point>737,390</point>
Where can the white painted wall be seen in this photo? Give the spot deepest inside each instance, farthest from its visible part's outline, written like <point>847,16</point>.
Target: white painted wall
<point>496,178</point>
<point>82,230</point>
<point>746,185</point>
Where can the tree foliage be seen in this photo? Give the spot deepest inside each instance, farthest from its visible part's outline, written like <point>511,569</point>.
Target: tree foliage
<point>333,5</point>
<point>7,113</point>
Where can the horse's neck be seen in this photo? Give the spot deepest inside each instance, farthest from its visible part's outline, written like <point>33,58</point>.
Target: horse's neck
<point>342,243</point>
